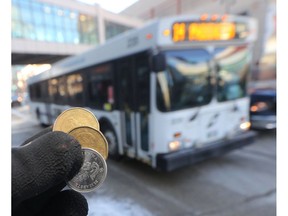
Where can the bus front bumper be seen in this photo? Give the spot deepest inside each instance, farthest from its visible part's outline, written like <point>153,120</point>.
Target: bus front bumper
<point>174,160</point>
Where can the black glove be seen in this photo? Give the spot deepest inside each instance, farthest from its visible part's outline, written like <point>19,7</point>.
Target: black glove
<point>40,168</point>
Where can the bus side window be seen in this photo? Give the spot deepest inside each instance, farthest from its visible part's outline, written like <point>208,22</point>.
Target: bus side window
<point>126,91</point>
<point>75,88</point>
<point>61,96</point>
<point>38,91</point>
<point>100,91</point>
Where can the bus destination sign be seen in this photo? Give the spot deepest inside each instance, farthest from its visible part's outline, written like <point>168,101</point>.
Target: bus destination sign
<point>203,31</point>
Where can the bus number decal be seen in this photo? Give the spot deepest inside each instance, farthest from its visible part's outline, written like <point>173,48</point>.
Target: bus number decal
<point>133,41</point>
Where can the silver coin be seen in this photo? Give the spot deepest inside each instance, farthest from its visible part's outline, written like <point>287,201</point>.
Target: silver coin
<point>92,173</point>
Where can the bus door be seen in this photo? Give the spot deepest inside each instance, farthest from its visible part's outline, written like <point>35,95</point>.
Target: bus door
<point>49,114</point>
<point>133,93</point>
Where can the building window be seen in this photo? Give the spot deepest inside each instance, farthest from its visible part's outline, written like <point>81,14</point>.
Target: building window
<point>40,21</point>
<point>88,29</point>
<point>112,29</point>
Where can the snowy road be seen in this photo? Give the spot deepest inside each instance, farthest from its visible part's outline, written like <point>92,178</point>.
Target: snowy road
<point>240,183</point>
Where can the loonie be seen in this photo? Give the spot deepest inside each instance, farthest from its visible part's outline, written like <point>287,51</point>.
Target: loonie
<point>91,138</point>
<point>92,173</point>
<point>75,117</point>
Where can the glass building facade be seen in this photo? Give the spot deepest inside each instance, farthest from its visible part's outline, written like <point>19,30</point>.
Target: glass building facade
<point>39,21</point>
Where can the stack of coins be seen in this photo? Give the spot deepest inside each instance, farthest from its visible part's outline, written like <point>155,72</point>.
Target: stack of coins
<point>84,126</point>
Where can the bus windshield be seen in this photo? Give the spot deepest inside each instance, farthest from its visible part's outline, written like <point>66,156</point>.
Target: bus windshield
<point>186,81</point>
<point>232,66</point>
<point>189,78</point>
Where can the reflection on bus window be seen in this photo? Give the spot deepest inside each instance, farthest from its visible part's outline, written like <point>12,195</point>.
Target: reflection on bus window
<point>75,88</point>
<point>100,90</point>
<point>232,64</point>
<point>52,88</point>
<point>58,90</point>
<point>186,81</point>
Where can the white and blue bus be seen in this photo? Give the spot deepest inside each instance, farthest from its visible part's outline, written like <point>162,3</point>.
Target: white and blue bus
<point>169,94</point>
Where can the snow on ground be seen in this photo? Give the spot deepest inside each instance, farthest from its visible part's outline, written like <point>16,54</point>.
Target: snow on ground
<point>108,206</point>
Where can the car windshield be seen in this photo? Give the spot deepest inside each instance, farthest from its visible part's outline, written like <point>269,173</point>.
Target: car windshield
<point>193,77</point>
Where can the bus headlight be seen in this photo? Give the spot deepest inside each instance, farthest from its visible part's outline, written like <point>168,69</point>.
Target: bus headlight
<point>174,145</point>
<point>245,125</point>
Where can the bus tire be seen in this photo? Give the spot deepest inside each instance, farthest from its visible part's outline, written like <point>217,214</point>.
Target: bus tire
<point>111,137</point>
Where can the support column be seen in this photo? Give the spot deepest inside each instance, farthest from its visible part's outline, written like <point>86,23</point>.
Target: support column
<point>101,24</point>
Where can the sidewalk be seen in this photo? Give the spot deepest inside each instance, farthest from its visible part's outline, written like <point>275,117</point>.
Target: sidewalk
<point>21,113</point>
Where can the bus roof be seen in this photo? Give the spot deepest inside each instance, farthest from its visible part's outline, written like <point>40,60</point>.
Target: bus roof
<point>149,36</point>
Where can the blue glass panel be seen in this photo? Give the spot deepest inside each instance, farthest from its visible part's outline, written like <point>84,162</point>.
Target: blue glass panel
<point>16,30</point>
<point>36,6</point>
<point>29,32</point>
<point>49,19</point>
<point>58,21</point>
<point>38,18</point>
<point>48,33</point>
<point>67,23</point>
<point>68,37</point>
<point>26,16</point>
<point>40,34</point>
<point>15,12</point>
<point>24,4</point>
<point>60,36</point>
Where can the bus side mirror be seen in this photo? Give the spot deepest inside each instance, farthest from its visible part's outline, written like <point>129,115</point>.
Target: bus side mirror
<point>158,62</point>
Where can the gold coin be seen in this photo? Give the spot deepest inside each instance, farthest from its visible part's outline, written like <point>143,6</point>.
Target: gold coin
<point>73,118</point>
<point>91,138</point>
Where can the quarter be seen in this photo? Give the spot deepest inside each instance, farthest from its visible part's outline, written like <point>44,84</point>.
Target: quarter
<point>92,173</point>
<point>75,117</point>
<point>91,138</point>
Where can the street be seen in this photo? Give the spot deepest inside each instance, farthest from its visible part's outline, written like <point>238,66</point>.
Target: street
<point>240,183</point>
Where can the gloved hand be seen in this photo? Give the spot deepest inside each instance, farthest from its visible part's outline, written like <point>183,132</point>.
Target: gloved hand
<point>40,168</point>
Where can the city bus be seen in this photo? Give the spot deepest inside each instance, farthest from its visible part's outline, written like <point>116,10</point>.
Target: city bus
<point>170,93</point>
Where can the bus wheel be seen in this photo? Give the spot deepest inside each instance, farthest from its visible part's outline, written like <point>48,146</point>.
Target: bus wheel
<point>112,143</point>
<point>38,114</point>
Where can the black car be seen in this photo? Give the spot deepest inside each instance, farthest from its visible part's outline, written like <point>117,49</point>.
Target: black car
<point>263,109</point>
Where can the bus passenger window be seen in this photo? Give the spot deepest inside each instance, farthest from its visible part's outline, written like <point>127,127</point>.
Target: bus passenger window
<point>100,91</point>
<point>58,90</point>
<point>38,91</point>
<point>52,88</point>
<point>75,88</point>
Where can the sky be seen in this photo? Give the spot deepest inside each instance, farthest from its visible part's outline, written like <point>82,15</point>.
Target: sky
<point>111,5</point>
